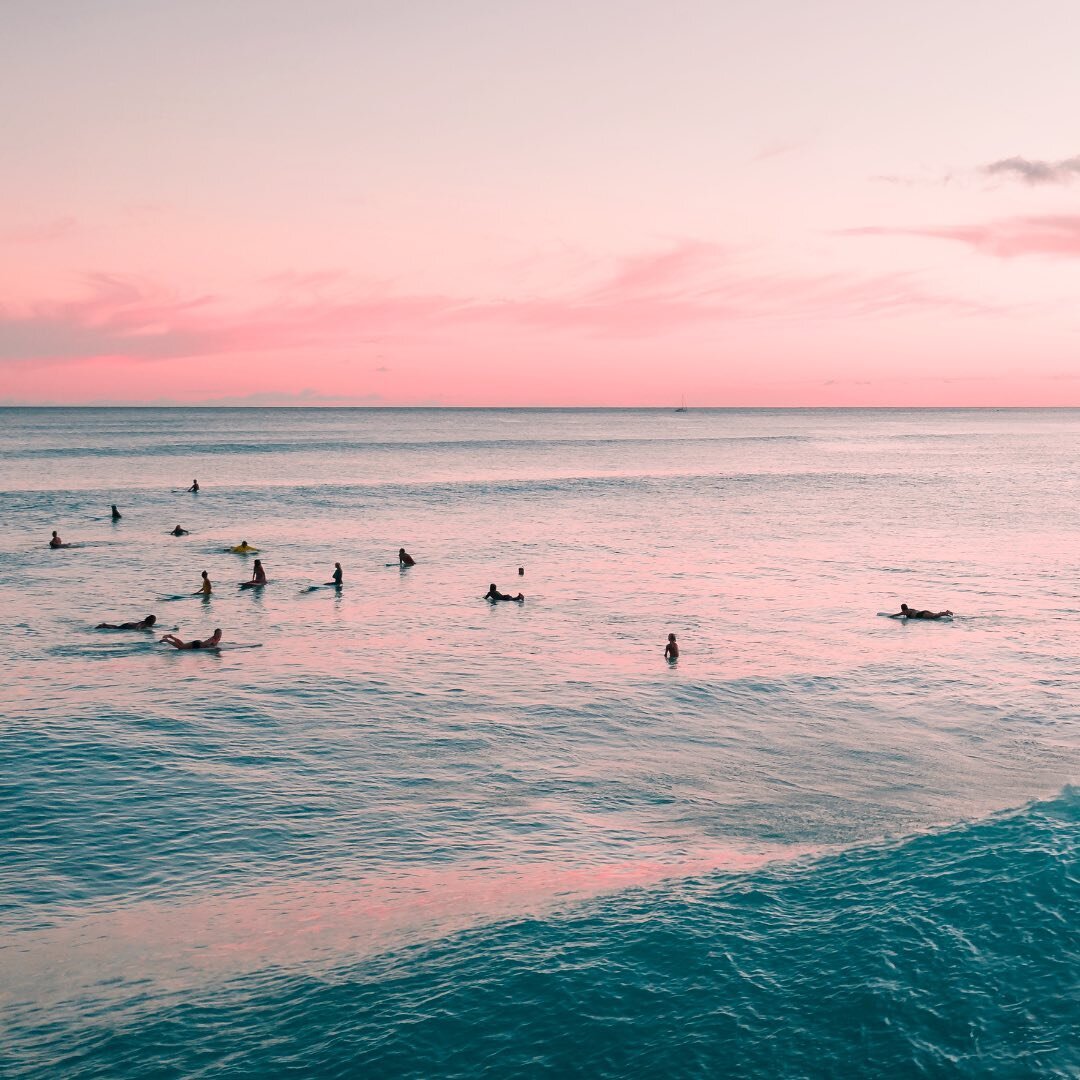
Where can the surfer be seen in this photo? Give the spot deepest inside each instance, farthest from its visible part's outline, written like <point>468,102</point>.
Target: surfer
<point>258,576</point>
<point>194,486</point>
<point>493,594</point>
<point>56,542</point>
<point>911,613</point>
<point>243,548</point>
<point>116,515</point>
<point>405,558</point>
<point>205,588</point>
<point>671,649</point>
<point>179,532</point>
<point>209,643</point>
<point>521,571</point>
<point>338,576</point>
<point>145,624</point>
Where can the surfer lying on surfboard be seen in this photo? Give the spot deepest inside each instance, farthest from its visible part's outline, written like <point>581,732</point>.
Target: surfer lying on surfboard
<point>143,624</point>
<point>911,613</point>
<point>209,643</point>
<point>493,594</point>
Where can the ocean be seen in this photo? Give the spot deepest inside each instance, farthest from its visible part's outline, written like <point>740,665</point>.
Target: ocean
<point>417,834</point>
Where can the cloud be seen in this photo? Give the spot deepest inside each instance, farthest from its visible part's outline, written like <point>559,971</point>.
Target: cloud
<point>40,233</point>
<point>1054,235</point>
<point>683,286</point>
<point>1035,172</point>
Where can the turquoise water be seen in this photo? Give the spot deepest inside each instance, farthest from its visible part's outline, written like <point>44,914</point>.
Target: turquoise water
<point>415,834</point>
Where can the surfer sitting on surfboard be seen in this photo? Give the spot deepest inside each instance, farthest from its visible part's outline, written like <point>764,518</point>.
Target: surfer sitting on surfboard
<point>258,576</point>
<point>194,486</point>
<point>209,643</point>
<point>179,532</point>
<point>338,576</point>
<point>405,558</point>
<point>56,542</point>
<point>205,588</point>
<point>911,613</point>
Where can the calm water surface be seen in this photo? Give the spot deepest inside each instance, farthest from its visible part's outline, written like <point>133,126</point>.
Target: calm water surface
<point>415,834</point>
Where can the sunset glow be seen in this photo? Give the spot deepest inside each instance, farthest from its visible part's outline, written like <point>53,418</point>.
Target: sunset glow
<point>482,204</point>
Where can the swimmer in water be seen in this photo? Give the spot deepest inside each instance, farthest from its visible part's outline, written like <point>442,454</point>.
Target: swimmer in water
<point>243,548</point>
<point>258,576</point>
<point>405,558</point>
<point>671,649</point>
<point>116,515</point>
<point>493,594</point>
<point>179,532</point>
<point>205,588</point>
<point>338,576</point>
<point>911,613</point>
<point>146,624</point>
<point>56,542</point>
<point>194,486</point>
<point>521,571</point>
<point>210,643</point>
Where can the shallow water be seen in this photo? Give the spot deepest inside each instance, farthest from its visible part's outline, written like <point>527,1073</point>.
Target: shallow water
<point>418,834</point>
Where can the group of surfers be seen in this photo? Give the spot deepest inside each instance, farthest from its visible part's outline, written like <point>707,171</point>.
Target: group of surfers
<point>259,579</point>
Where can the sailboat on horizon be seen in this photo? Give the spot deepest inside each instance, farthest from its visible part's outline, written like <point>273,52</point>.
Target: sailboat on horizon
<point>682,405</point>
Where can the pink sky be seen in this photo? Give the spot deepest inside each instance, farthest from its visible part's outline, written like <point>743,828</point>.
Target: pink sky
<point>490,203</point>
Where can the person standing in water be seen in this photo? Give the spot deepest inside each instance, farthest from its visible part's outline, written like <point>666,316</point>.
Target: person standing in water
<point>258,576</point>
<point>194,486</point>
<point>671,649</point>
<point>210,643</point>
<point>115,513</point>
<point>405,558</point>
<point>338,576</point>
<point>205,588</point>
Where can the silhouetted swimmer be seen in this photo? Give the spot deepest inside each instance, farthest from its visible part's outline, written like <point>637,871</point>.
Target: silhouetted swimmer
<point>911,613</point>
<point>145,624</point>
<point>258,576</point>
<point>205,589</point>
<point>405,558</point>
<point>179,532</point>
<point>338,576</point>
<point>211,642</point>
<point>493,594</point>
<point>671,649</point>
<point>194,486</point>
<point>56,542</point>
<point>116,515</point>
<point>521,571</point>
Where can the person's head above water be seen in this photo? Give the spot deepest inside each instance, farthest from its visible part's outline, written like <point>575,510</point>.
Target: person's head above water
<point>150,620</point>
<point>54,532</point>
<point>671,637</point>
<point>903,607</point>
<point>521,571</point>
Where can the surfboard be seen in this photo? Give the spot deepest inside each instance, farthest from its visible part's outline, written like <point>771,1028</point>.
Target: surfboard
<point>905,618</point>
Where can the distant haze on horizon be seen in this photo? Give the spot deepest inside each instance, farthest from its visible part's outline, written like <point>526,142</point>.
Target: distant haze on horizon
<point>559,204</point>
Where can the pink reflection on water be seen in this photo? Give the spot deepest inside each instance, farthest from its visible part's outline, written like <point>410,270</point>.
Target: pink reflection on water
<point>314,923</point>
